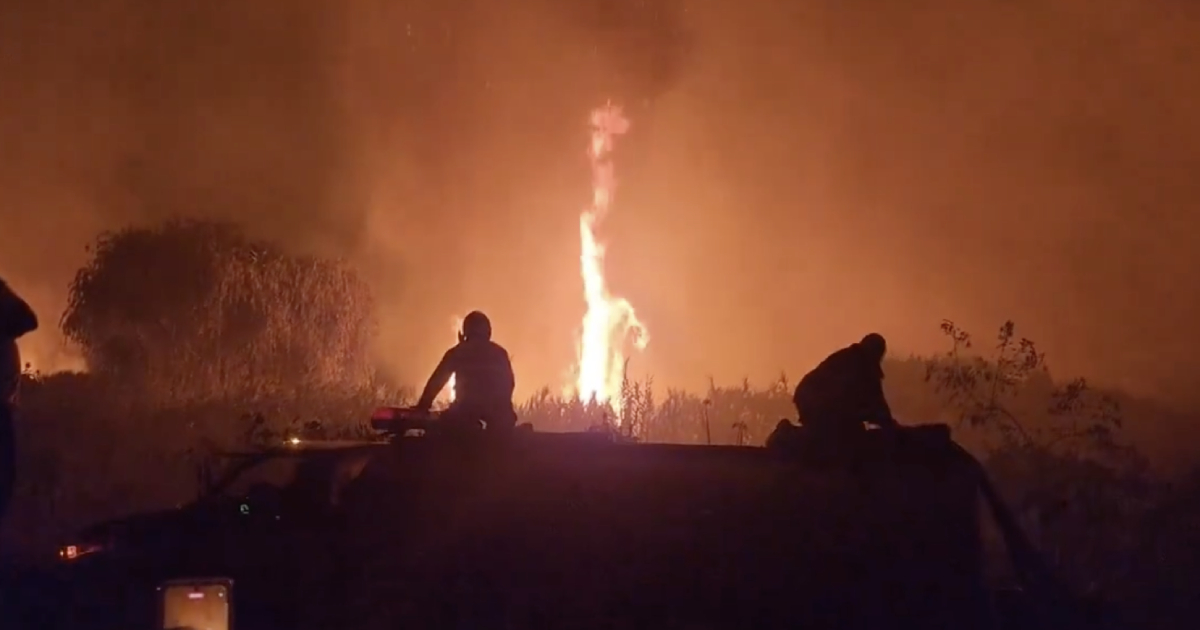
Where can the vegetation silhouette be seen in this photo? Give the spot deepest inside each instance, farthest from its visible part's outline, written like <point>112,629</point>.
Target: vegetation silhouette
<point>200,339</point>
<point>195,311</point>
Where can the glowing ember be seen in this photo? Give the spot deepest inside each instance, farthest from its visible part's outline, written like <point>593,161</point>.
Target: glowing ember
<point>609,322</point>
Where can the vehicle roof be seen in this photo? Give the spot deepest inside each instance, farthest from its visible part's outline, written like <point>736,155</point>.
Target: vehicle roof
<point>571,514</point>
<point>307,447</point>
<point>875,451</point>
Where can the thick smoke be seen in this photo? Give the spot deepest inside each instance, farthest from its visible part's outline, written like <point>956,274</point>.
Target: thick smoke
<point>646,45</point>
<point>131,112</point>
<point>796,173</point>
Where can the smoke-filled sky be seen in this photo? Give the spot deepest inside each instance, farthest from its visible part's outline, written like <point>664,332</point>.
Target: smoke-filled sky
<point>797,173</point>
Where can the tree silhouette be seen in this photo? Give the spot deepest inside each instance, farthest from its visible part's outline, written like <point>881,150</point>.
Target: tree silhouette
<point>193,310</point>
<point>991,392</point>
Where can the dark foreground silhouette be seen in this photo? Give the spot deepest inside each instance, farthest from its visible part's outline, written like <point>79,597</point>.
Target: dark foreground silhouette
<point>16,320</point>
<point>524,530</point>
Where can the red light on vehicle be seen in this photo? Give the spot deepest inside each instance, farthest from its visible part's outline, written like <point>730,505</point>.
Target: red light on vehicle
<point>196,595</point>
<point>71,552</point>
<point>384,413</point>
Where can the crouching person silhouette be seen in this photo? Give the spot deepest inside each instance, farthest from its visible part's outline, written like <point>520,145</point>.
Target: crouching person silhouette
<point>845,392</point>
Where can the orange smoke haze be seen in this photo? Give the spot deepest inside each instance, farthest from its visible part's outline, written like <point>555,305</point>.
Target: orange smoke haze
<point>797,175</point>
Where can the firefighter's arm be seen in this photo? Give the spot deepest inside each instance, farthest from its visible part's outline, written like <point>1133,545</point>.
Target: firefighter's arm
<point>437,381</point>
<point>510,378</point>
<point>882,414</point>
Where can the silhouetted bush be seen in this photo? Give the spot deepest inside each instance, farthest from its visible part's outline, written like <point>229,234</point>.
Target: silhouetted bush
<point>195,311</point>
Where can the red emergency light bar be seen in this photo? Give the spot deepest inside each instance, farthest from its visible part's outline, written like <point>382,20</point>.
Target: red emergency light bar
<point>397,420</point>
<point>386,419</point>
<point>385,413</point>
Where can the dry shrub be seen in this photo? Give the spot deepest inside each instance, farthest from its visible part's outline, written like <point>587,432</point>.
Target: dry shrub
<point>195,311</point>
<point>724,415</point>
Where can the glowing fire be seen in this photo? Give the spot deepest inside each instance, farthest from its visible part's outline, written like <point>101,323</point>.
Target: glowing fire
<point>610,322</point>
<point>448,391</point>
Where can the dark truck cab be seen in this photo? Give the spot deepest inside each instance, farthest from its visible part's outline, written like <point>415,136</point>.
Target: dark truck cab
<point>269,523</point>
<point>579,531</point>
<point>435,529</point>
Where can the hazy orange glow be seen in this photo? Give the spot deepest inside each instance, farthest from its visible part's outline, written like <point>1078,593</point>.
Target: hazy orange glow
<point>832,196</point>
<point>609,322</point>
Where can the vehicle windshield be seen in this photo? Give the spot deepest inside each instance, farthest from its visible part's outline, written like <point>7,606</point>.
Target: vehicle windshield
<point>298,477</point>
<point>276,472</point>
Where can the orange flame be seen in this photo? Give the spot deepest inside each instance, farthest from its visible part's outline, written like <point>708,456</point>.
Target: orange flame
<point>448,391</point>
<point>609,322</point>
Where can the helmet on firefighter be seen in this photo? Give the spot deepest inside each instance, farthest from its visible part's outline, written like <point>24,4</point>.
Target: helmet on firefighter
<point>476,327</point>
<point>875,345</point>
